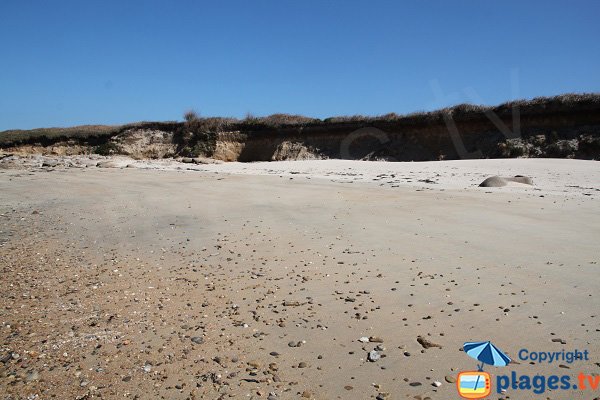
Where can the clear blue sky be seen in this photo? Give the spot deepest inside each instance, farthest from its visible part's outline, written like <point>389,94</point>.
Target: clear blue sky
<point>66,63</point>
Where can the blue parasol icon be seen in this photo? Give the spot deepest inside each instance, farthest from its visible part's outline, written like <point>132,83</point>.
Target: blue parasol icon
<point>487,353</point>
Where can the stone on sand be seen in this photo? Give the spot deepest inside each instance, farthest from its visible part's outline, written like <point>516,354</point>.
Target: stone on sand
<point>107,164</point>
<point>499,181</point>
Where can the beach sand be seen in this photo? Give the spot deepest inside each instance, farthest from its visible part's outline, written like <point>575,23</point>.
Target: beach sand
<point>177,281</point>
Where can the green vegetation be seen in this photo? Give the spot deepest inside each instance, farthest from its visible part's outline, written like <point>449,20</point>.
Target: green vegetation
<point>107,149</point>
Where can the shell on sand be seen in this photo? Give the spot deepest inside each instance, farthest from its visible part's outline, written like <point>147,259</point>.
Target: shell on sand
<point>499,181</point>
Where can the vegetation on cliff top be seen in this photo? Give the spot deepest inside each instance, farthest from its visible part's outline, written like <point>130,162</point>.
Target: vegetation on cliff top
<point>203,128</point>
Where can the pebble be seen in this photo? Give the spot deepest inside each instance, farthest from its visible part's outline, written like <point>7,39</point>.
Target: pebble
<point>450,379</point>
<point>373,356</point>
<point>32,376</point>
<point>426,343</point>
<point>198,340</point>
<point>6,358</point>
<point>254,364</point>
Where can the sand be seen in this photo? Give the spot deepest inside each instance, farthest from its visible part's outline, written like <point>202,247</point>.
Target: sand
<point>176,281</point>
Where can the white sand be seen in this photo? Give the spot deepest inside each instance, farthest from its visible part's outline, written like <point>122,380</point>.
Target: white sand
<point>143,260</point>
<point>550,175</point>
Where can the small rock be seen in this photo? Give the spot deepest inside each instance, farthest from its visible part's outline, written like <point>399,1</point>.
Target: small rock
<point>32,376</point>
<point>254,364</point>
<point>426,343</point>
<point>50,163</point>
<point>6,358</point>
<point>373,356</point>
<point>197,340</point>
<point>107,164</point>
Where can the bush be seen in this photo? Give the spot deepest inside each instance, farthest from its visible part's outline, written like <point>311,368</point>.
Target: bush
<point>107,149</point>
<point>514,148</point>
<point>563,148</point>
<point>278,120</point>
<point>199,135</point>
<point>190,115</point>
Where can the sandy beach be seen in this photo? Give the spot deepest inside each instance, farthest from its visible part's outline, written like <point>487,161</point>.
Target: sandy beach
<point>185,281</point>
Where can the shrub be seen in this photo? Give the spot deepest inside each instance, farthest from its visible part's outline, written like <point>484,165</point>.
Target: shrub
<point>513,148</point>
<point>190,115</point>
<point>563,148</point>
<point>277,120</point>
<point>107,149</point>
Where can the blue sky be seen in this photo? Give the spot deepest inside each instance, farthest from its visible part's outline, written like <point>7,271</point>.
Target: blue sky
<point>107,62</point>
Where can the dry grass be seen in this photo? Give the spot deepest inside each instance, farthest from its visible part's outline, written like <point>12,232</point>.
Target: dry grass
<point>84,131</point>
<point>197,125</point>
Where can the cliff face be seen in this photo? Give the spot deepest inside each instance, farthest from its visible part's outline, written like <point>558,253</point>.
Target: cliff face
<point>572,135</point>
<point>564,126</point>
